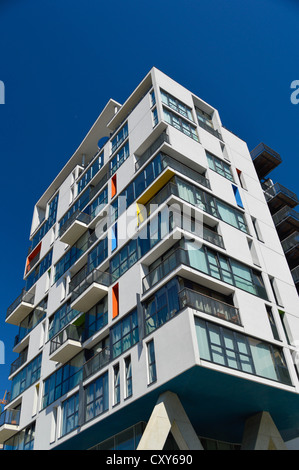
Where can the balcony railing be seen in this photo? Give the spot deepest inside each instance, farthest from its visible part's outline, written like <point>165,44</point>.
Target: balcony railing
<point>71,332</point>
<point>290,242</point>
<point>210,129</point>
<point>206,304</point>
<point>295,274</point>
<point>283,214</point>
<point>26,297</point>
<point>19,362</point>
<point>265,159</point>
<point>96,363</point>
<point>76,216</point>
<point>276,190</point>
<point>11,417</point>
<point>91,290</point>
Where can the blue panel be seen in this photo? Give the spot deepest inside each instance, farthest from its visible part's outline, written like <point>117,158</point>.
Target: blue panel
<point>237,196</point>
<point>114,237</point>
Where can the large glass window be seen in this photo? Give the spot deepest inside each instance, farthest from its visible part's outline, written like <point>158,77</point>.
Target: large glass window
<point>70,414</point>
<point>48,223</point>
<point>119,138</point>
<point>221,167</point>
<point>122,154</point>
<point>97,397</point>
<point>124,334</point>
<point>39,270</point>
<point>63,380</point>
<point>90,173</point>
<point>23,440</point>
<point>238,351</point>
<point>96,318</point>
<point>162,306</point>
<point>180,124</point>
<point>26,377</point>
<point>176,105</point>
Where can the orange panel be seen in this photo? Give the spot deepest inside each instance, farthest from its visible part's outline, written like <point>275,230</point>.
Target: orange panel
<point>115,301</point>
<point>113,186</point>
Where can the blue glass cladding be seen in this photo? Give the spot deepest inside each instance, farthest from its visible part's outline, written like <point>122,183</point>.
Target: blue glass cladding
<point>114,237</point>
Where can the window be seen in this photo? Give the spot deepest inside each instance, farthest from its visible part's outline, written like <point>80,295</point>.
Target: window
<point>116,384</point>
<point>70,414</point>
<point>153,98</point>
<point>162,306</point>
<point>180,124</point>
<point>218,165</point>
<point>97,398</point>
<point>63,380</point>
<point>26,377</point>
<point>155,117</point>
<point>90,173</point>
<point>124,334</point>
<point>257,229</point>
<point>237,351</point>
<point>128,377</point>
<point>39,270</point>
<point>97,255</point>
<point>122,154</point>
<point>152,372</point>
<point>204,117</point>
<point>119,138</point>
<point>114,237</point>
<point>176,105</point>
<point>96,318</point>
<point>272,323</point>
<point>61,318</point>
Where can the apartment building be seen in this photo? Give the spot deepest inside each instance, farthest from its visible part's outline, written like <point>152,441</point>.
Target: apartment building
<point>158,310</point>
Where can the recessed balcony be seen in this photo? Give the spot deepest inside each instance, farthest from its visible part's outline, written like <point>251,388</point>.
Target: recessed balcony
<point>20,308</point>
<point>66,344</point>
<point>264,159</point>
<point>291,249</point>
<point>9,424</point>
<point>286,221</point>
<point>277,196</point>
<point>91,290</point>
<point>74,227</point>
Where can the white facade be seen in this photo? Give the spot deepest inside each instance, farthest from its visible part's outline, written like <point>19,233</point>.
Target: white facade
<point>229,383</point>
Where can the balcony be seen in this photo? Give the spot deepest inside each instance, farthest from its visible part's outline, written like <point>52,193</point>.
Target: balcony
<point>20,308</point>
<point>168,168</point>
<point>9,424</point>
<point>180,261</point>
<point>208,305</point>
<point>74,227</point>
<point>66,344</point>
<point>265,159</point>
<point>277,196</point>
<point>91,290</point>
<point>291,249</point>
<point>19,361</point>
<point>286,222</point>
<point>97,362</point>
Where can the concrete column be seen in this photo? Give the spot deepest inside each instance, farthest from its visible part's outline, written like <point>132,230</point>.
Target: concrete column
<point>260,433</point>
<point>169,416</point>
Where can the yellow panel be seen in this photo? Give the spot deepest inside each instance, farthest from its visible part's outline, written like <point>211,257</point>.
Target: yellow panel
<point>158,184</point>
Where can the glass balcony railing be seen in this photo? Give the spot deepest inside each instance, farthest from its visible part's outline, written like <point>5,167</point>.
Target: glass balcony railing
<point>26,297</point>
<point>265,159</point>
<point>285,213</point>
<point>76,216</point>
<point>151,150</point>
<point>19,361</point>
<point>11,417</point>
<point>205,304</point>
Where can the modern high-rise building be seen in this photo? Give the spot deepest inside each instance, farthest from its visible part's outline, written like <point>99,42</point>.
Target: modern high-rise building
<point>158,310</point>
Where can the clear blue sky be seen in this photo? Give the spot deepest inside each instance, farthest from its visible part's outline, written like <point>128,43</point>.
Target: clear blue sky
<point>62,60</point>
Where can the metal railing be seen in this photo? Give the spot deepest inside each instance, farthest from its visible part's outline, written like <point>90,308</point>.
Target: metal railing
<point>210,129</point>
<point>295,274</point>
<point>77,215</point>
<point>25,296</point>
<point>260,148</point>
<point>290,242</point>
<point>11,417</point>
<point>19,361</point>
<point>97,276</point>
<point>71,332</point>
<point>277,188</point>
<point>283,213</point>
<point>209,305</point>
<point>96,363</point>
